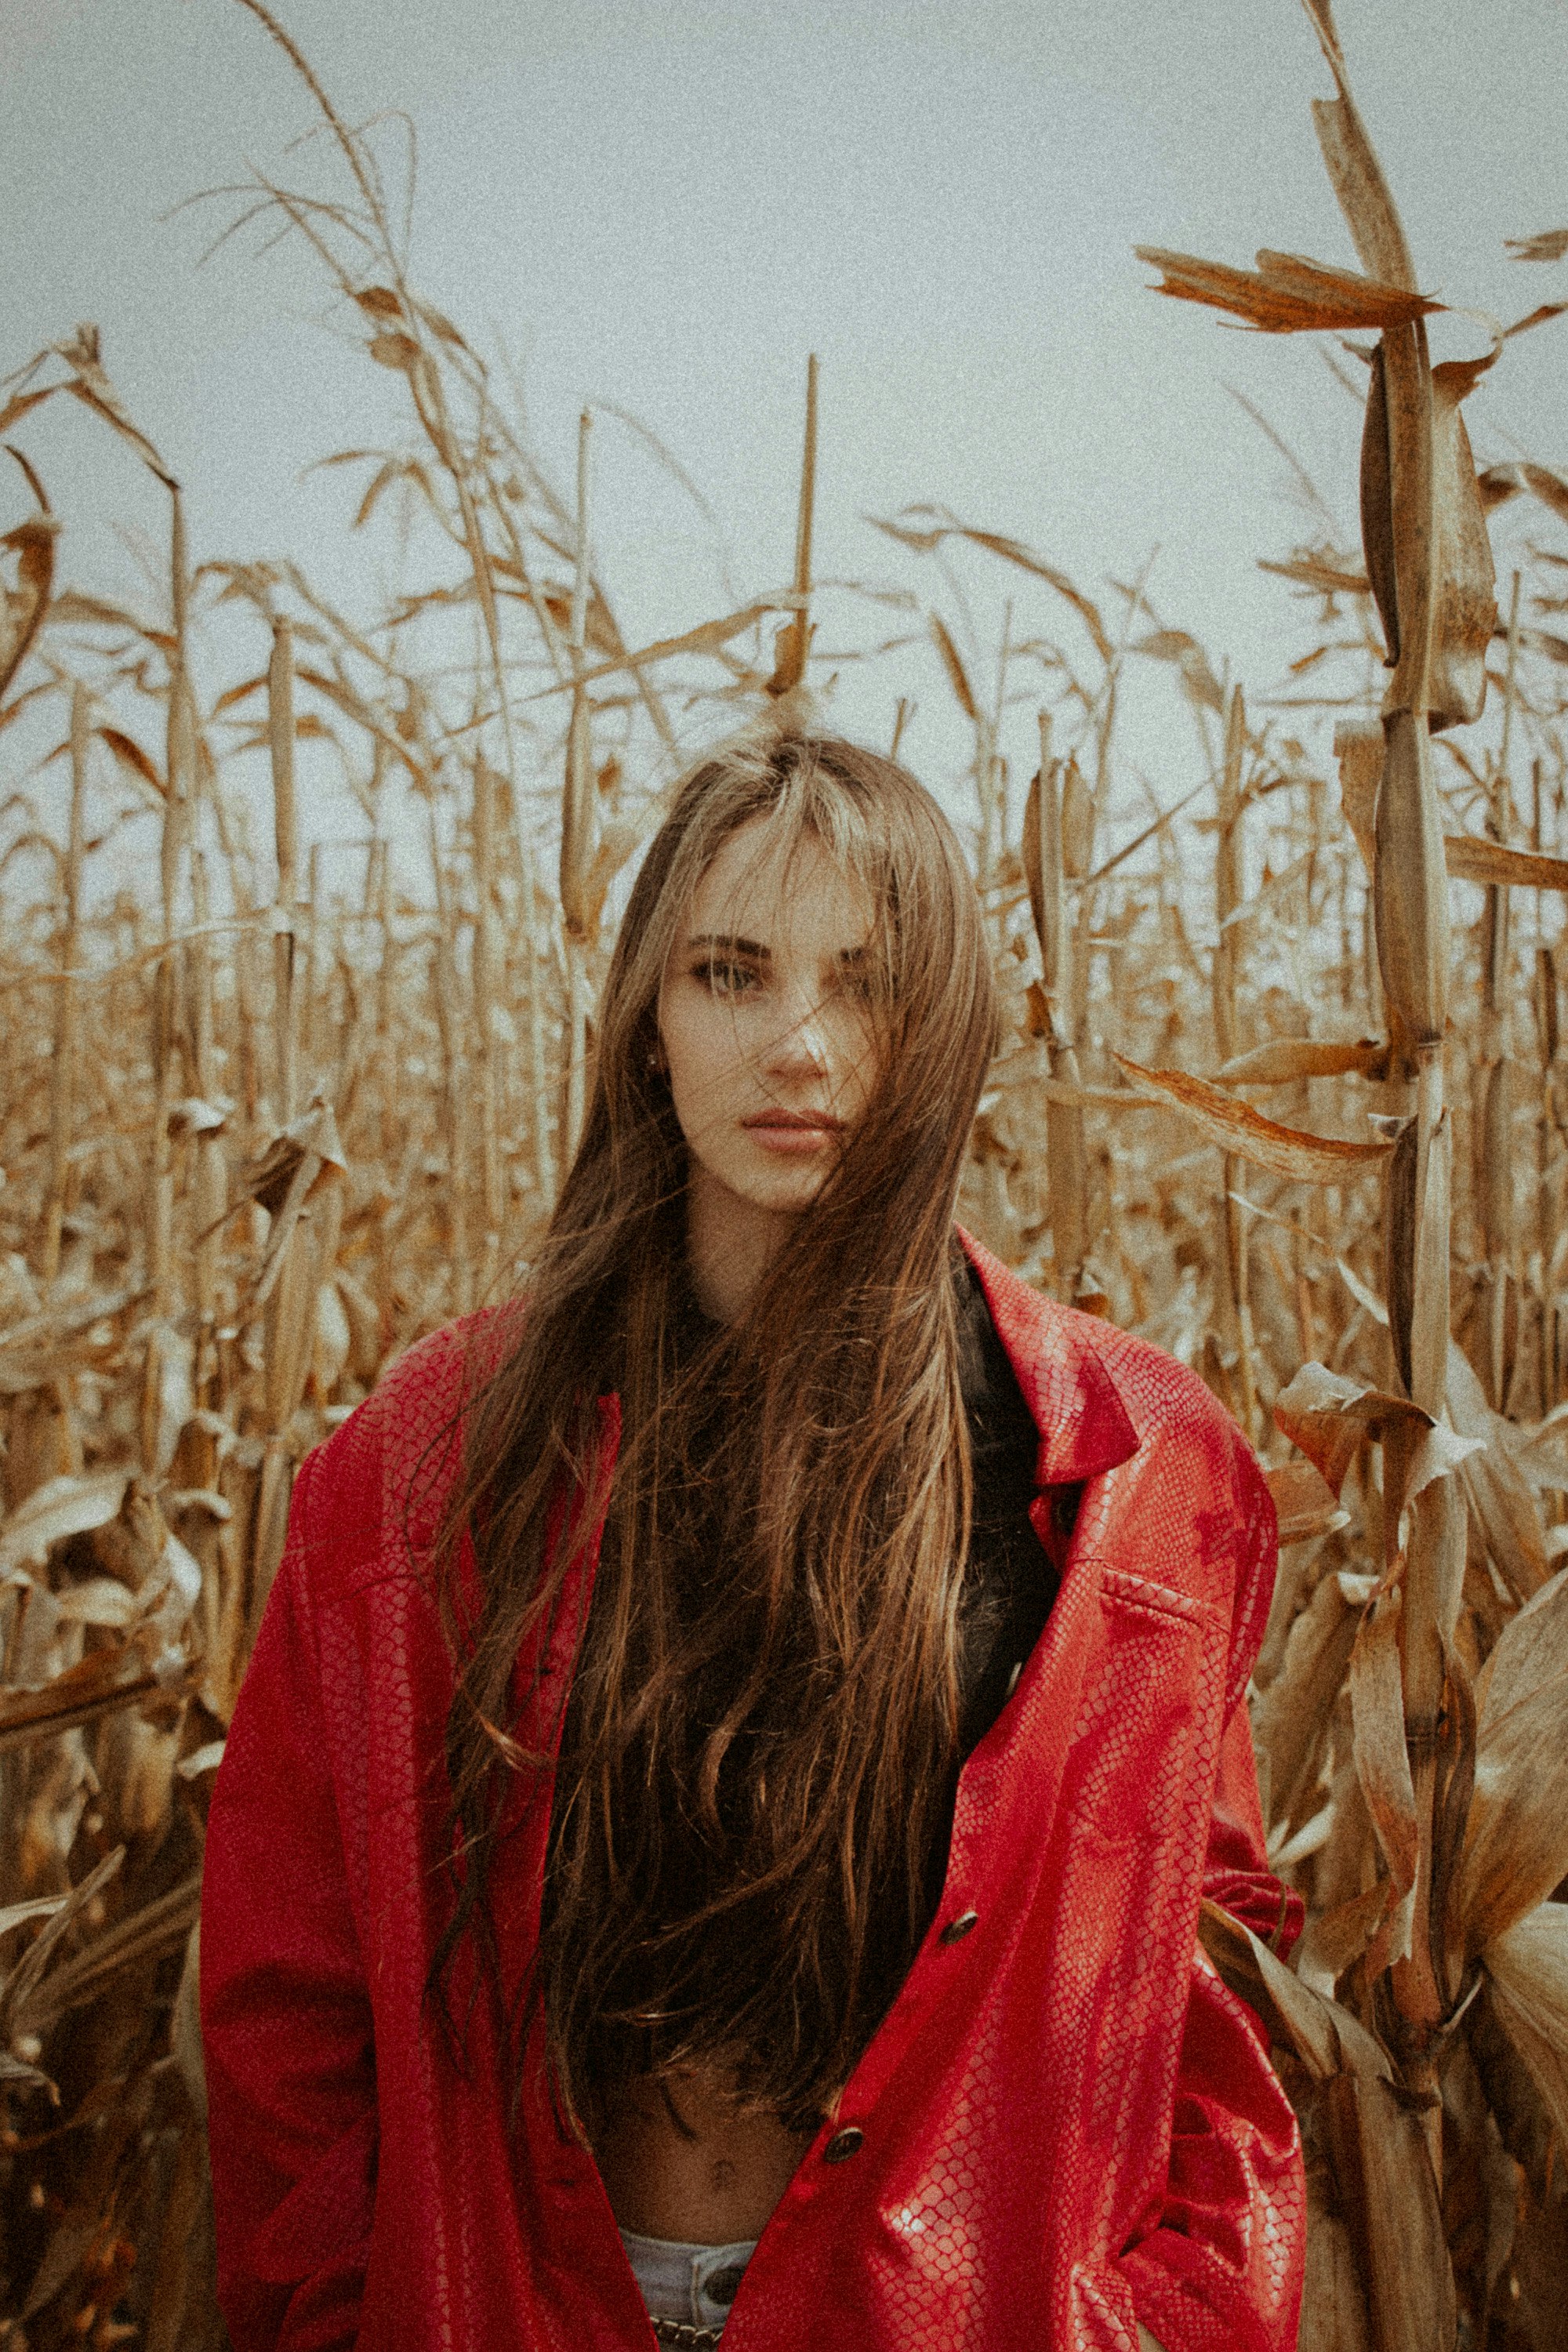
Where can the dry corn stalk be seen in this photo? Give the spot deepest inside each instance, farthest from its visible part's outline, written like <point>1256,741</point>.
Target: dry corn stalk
<point>1228,906</point>
<point>578,812</point>
<point>1067,1160</point>
<point>793,644</point>
<point>1425,1734</point>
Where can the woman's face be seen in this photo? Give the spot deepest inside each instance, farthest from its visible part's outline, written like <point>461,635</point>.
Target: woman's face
<point>764,1024</point>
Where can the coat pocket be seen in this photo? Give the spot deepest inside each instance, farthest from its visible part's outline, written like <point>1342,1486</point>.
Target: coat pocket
<point>1145,1746</point>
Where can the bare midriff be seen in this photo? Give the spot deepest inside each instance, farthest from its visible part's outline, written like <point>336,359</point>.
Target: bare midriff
<point>688,2163</point>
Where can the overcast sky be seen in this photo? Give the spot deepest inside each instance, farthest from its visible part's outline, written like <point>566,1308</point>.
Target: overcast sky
<point>666,206</point>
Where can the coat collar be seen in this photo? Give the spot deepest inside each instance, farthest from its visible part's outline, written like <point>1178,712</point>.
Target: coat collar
<point>1085,1428</point>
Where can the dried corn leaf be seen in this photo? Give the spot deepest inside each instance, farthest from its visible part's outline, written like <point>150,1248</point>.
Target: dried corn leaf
<point>168,1397</point>
<point>398,351</point>
<point>100,1600</point>
<point>143,1937</point>
<point>185,2025</point>
<point>131,1545</point>
<point>91,384</point>
<point>1410,888</point>
<point>1541,1452</point>
<point>1285,1060</point>
<point>1496,1482</point>
<point>132,758</point>
<point>1077,821</point>
<point>22,1986</point>
<point>22,608</point>
<point>1470,859</point>
<point>1543,641</point>
<point>64,1506</point>
<point>1466,580</point>
<point>22,403</point>
<point>270,1179</point>
<point>331,1341</point>
<point>1041,848</point>
<point>79,2229</point>
<point>439,324</point>
<point>1334,2307</point>
<point>1359,749</point>
<point>16,1915</point>
<point>1382,1759</point>
<point>1306,1504</point>
<point>1334,1941</point>
<point>953,662</point>
<point>1329,1416</point>
<point>102,1683</point>
<point>1327,2040</point>
<point>1516,1840</point>
<point>1500,483</point>
<point>1198,673</point>
<point>1415,1258</point>
<point>1354,172</point>
<point>1397,2217</point>
<point>1067,1169</point>
<point>1331,578</point>
<point>73,608</point>
<point>1548,245</point>
<point>305,1161</point>
<point>1236,1127</point>
<point>1528,1965</point>
<point>1287,294</point>
<point>1295,2018</point>
<point>23,604</point>
<point>1293,1716</point>
<point>706,638</point>
<point>579,818</point>
<point>927,538</point>
<point>182,2274</point>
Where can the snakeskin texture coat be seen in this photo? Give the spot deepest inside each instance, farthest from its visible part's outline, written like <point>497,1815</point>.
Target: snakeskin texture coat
<point>1066,2123</point>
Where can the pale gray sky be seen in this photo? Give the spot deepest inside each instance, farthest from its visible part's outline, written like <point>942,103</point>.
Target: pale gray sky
<point>667,206</point>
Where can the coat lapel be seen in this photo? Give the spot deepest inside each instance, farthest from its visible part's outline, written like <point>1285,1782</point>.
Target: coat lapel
<point>1085,1427</point>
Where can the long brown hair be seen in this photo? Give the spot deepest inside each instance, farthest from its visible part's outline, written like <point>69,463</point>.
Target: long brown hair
<point>763,1715</point>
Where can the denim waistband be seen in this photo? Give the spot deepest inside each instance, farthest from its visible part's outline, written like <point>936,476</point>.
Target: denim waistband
<point>694,2283</point>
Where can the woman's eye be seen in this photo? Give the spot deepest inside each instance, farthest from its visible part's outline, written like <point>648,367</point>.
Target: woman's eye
<point>725,978</point>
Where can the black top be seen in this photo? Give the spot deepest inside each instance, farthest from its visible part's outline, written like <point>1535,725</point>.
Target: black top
<point>1009,1584</point>
<point>1011,1580</point>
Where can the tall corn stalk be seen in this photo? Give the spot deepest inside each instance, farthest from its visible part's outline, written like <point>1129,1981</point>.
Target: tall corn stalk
<point>1228,906</point>
<point>1432,1758</point>
<point>67,1038</point>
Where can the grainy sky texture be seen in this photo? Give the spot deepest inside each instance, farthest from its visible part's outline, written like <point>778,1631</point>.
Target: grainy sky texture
<point>666,206</point>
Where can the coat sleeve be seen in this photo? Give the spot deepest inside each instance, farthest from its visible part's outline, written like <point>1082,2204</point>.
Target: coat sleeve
<point>1222,2271</point>
<point>286,2017</point>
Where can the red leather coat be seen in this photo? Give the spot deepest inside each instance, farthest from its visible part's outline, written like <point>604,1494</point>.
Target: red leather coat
<point>1068,2123</point>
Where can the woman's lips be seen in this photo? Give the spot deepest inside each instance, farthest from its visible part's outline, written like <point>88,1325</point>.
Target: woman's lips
<point>793,1139</point>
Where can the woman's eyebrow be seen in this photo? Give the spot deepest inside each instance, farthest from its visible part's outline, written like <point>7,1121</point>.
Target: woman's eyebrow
<point>727,939</point>
<point>755,947</point>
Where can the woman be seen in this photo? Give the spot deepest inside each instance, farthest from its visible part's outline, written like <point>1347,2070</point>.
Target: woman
<point>714,1825</point>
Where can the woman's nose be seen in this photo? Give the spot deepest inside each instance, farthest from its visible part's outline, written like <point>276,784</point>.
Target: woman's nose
<point>800,1041</point>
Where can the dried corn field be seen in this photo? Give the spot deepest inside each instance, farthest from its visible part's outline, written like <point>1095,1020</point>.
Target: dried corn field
<point>1285,1088</point>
